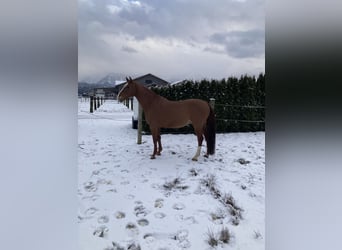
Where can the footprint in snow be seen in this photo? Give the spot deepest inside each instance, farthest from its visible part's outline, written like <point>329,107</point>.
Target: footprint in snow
<point>182,237</point>
<point>90,186</point>
<point>140,211</point>
<point>132,229</point>
<point>134,247</point>
<point>143,222</point>
<point>159,215</point>
<point>159,203</point>
<point>178,206</point>
<point>112,190</point>
<point>124,182</point>
<point>101,231</point>
<point>120,215</point>
<point>103,219</point>
<point>90,211</point>
<point>184,244</point>
<point>104,182</point>
<point>189,220</point>
<point>92,197</point>
<point>96,172</point>
<point>130,196</point>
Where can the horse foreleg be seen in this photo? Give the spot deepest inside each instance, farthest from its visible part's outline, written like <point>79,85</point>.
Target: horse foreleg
<point>199,140</point>
<point>160,148</point>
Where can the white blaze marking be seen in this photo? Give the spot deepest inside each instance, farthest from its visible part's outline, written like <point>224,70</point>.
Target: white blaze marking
<point>122,89</point>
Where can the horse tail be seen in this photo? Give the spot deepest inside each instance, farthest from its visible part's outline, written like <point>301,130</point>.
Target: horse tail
<point>210,132</point>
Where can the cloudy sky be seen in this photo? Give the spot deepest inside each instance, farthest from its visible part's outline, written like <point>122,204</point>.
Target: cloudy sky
<point>173,39</point>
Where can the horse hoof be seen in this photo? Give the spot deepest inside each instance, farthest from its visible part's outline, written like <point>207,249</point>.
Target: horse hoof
<point>194,159</point>
<point>206,155</point>
<point>153,157</point>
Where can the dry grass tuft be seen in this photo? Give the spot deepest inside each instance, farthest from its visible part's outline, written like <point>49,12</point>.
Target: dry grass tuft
<point>209,181</point>
<point>225,235</point>
<point>175,184</point>
<point>234,209</point>
<point>212,239</point>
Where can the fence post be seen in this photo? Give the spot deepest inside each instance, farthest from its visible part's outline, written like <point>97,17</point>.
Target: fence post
<point>95,104</point>
<point>131,103</point>
<point>212,103</point>
<point>91,104</point>
<point>140,112</point>
<point>98,101</point>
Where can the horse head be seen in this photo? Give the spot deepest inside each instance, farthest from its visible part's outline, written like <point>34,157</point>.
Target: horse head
<point>128,90</point>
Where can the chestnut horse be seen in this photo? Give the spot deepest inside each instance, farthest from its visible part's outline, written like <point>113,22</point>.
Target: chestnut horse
<point>162,113</point>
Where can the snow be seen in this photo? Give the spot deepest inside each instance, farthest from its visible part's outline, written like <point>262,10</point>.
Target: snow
<point>126,199</point>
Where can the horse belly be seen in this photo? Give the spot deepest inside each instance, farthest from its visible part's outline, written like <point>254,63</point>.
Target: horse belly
<point>174,119</point>
<point>176,123</point>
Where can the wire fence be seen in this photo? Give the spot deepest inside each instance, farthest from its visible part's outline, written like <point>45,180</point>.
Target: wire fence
<point>226,119</point>
<point>229,117</point>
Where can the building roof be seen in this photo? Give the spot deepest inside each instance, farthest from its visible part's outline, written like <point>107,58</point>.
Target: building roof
<point>143,76</point>
<point>178,82</point>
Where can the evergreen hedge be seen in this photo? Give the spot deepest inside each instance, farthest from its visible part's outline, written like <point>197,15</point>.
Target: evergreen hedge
<point>239,102</point>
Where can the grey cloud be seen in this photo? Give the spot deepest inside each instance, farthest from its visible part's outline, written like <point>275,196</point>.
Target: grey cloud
<point>129,49</point>
<point>202,24</point>
<point>214,50</point>
<point>177,19</point>
<point>241,44</point>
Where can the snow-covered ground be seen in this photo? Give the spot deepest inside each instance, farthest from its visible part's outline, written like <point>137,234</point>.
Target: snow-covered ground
<point>127,200</point>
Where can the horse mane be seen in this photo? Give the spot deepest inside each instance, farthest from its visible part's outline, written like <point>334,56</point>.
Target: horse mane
<point>146,96</point>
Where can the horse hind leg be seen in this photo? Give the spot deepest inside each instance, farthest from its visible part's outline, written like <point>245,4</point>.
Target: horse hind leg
<point>207,154</point>
<point>199,140</point>
<point>155,142</point>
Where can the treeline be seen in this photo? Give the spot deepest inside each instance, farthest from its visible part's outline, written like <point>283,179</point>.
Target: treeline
<point>239,102</point>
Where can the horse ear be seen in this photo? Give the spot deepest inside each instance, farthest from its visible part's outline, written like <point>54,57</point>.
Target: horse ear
<point>127,80</point>
<point>130,78</point>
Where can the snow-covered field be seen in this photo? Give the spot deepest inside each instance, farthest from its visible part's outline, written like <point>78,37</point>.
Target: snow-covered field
<point>128,201</point>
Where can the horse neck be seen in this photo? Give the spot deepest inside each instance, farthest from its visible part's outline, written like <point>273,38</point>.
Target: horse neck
<point>145,96</point>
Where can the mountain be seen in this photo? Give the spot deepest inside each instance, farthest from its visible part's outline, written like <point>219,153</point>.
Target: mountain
<point>109,80</point>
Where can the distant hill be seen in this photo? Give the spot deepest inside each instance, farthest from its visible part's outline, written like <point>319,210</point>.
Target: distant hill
<point>109,80</point>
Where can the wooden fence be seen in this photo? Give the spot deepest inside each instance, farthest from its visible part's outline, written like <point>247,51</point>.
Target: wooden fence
<point>96,102</point>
